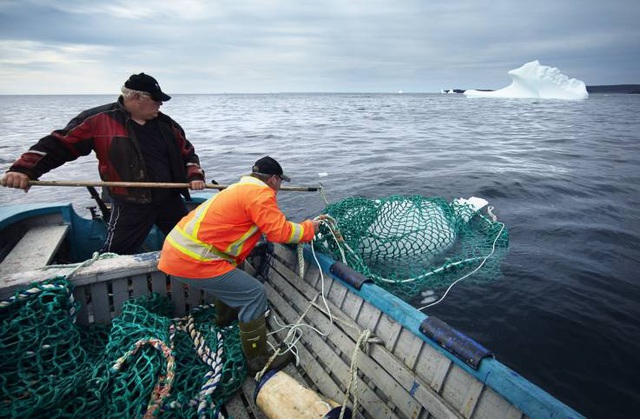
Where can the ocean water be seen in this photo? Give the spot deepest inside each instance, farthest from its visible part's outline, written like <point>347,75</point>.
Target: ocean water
<point>564,176</point>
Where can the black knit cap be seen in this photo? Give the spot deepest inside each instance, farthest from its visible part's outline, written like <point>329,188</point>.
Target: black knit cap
<point>269,166</point>
<point>145,83</point>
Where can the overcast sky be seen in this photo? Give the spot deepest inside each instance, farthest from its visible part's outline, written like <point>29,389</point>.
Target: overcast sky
<point>262,46</point>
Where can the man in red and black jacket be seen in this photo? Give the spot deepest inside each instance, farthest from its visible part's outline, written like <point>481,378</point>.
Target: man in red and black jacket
<point>134,142</point>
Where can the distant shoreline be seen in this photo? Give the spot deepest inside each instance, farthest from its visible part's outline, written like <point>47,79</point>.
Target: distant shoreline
<point>608,88</point>
<point>615,88</point>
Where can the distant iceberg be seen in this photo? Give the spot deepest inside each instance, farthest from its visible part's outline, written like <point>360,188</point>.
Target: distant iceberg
<point>533,80</point>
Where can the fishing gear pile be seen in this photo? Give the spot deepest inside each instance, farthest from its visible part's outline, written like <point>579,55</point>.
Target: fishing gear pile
<point>408,244</point>
<point>145,364</point>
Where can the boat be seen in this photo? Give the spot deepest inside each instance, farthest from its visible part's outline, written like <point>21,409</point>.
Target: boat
<point>357,345</point>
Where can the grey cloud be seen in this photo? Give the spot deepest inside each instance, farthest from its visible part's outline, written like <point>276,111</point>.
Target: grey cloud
<point>324,45</point>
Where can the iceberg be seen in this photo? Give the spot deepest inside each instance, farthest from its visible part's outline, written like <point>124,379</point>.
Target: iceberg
<point>533,80</point>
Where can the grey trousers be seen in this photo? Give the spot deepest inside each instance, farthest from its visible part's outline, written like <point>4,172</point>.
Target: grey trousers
<point>237,289</point>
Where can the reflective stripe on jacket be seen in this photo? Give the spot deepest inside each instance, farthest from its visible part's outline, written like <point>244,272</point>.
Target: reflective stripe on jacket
<point>219,234</point>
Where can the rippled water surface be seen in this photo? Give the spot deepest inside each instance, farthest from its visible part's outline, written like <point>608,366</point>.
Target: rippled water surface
<point>563,175</point>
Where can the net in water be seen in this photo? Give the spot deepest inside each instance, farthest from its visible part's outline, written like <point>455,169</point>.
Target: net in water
<point>407,244</point>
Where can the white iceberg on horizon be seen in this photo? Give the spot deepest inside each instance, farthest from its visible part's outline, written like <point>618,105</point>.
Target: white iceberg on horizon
<point>533,80</point>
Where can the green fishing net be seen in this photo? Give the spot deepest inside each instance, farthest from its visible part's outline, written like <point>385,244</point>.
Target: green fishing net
<point>408,244</point>
<point>144,363</point>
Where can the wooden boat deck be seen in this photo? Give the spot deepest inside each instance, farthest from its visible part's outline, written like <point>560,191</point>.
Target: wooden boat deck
<point>402,375</point>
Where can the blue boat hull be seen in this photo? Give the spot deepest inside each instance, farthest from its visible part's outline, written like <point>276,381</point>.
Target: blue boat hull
<point>85,235</point>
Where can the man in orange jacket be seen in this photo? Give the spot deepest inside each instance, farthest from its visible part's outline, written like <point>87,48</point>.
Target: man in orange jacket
<point>206,246</point>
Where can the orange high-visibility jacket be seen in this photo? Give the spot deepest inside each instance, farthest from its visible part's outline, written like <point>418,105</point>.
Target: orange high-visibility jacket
<point>221,232</point>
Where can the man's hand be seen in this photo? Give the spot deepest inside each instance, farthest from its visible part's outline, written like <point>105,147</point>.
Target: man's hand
<point>16,180</point>
<point>196,185</point>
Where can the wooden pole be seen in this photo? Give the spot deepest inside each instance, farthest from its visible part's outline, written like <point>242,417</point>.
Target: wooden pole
<point>166,185</point>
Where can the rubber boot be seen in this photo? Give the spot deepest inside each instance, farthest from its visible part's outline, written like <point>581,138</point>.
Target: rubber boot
<point>225,315</point>
<point>253,336</point>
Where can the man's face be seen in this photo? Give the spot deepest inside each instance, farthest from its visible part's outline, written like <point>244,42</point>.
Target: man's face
<point>147,107</point>
<point>275,182</point>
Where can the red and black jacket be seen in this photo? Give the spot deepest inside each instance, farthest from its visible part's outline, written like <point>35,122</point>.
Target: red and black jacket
<point>106,130</point>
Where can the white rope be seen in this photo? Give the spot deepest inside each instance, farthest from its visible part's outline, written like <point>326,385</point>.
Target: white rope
<point>352,387</point>
<point>214,360</point>
<point>299,249</point>
<point>493,249</point>
<point>324,197</point>
<point>332,225</point>
<point>293,336</point>
<point>77,266</point>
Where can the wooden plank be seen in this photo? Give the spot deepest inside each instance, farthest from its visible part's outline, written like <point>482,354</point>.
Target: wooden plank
<point>177,296</point>
<point>139,285</point>
<point>314,277</point>
<point>408,347</point>
<point>436,363</point>
<point>369,316</point>
<point>34,250</point>
<point>120,294</point>
<point>337,294</point>
<point>236,408</point>
<point>194,297</point>
<point>472,396</point>
<point>288,256</point>
<point>491,405</point>
<point>100,303</point>
<point>352,305</point>
<point>99,270</point>
<point>413,384</point>
<point>395,369</point>
<point>159,283</point>
<point>369,399</point>
<point>248,388</point>
<point>459,387</point>
<point>317,373</point>
<point>389,331</point>
<point>80,295</point>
